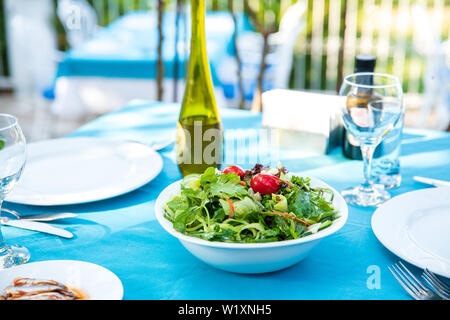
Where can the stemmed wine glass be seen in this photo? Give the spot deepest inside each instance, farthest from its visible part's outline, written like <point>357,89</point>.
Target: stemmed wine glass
<point>12,161</point>
<point>372,107</point>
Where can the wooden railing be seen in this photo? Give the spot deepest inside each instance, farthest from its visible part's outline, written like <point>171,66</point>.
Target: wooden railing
<point>384,28</point>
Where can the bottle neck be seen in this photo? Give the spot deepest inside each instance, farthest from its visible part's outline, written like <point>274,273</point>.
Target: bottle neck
<point>199,94</point>
<point>198,41</point>
<point>198,20</point>
<point>364,80</point>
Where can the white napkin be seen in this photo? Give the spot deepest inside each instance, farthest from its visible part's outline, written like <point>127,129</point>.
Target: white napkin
<point>307,121</point>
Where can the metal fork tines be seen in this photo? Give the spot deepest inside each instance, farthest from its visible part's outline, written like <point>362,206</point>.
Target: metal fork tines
<point>441,288</point>
<point>411,284</point>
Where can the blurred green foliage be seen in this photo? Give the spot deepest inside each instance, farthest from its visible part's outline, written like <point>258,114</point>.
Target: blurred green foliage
<point>3,54</point>
<point>269,12</point>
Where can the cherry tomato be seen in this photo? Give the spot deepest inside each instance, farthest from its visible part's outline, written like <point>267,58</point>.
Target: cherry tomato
<point>234,169</point>
<point>265,183</point>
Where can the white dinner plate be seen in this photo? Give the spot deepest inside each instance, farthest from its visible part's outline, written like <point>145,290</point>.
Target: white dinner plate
<point>97,282</point>
<point>78,170</point>
<point>416,227</point>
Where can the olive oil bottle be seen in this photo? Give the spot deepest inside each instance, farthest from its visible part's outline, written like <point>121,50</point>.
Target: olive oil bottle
<point>199,142</point>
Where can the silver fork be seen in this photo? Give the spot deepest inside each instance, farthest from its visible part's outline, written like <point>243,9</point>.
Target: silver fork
<point>411,284</point>
<point>441,288</point>
<point>40,217</point>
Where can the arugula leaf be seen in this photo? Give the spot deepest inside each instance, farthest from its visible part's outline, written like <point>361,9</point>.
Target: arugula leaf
<point>301,205</point>
<point>183,218</point>
<point>225,235</point>
<point>194,197</point>
<point>219,214</point>
<point>178,203</point>
<point>209,176</point>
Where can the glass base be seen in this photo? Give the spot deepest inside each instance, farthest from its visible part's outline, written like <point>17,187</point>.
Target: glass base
<point>13,255</point>
<point>366,197</point>
<point>388,180</point>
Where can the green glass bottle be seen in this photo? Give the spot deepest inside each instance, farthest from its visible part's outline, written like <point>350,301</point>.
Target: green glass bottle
<point>199,142</point>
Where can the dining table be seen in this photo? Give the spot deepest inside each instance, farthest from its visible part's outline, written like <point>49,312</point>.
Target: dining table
<point>123,235</point>
<point>119,62</point>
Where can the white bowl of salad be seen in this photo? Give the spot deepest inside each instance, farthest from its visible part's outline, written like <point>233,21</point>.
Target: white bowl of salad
<point>250,221</point>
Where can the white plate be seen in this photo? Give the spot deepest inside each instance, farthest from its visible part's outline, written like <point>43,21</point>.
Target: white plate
<point>97,282</point>
<point>78,170</point>
<point>251,257</point>
<point>416,227</point>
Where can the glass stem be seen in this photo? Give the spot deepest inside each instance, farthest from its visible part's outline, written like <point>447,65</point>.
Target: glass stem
<point>367,154</point>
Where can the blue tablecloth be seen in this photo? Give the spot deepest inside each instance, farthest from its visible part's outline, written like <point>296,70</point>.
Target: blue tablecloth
<point>128,47</point>
<point>123,235</point>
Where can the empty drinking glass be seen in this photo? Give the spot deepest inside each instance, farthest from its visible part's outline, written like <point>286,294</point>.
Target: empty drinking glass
<point>12,161</point>
<point>371,110</point>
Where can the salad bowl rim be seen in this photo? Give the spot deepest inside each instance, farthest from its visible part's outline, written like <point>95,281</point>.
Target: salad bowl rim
<point>168,226</point>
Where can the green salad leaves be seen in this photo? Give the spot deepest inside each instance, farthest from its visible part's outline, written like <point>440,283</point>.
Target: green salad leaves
<point>223,207</point>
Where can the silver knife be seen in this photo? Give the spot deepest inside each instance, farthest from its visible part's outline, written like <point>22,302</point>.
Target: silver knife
<point>433,182</point>
<point>36,226</point>
<point>49,216</point>
<point>41,217</point>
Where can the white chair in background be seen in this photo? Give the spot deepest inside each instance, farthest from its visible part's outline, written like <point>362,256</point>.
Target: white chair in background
<point>79,20</point>
<point>437,72</point>
<point>31,44</point>
<point>283,42</point>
